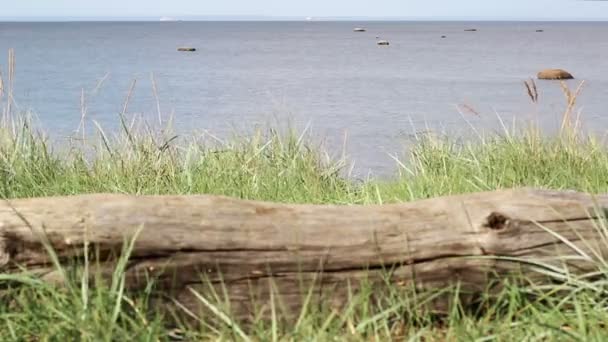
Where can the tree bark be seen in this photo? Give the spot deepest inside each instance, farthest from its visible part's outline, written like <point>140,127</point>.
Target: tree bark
<point>246,248</point>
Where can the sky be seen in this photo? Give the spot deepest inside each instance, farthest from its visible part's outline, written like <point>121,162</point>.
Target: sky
<point>481,9</point>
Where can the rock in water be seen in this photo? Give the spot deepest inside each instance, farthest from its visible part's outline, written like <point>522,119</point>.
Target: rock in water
<point>471,30</point>
<point>187,49</point>
<point>383,42</point>
<point>554,74</point>
<point>359,29</point>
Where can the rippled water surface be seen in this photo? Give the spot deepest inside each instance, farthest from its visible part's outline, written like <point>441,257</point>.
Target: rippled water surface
<point>340,82</point>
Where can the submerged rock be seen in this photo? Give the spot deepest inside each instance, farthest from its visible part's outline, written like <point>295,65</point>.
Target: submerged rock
<point>359,29</point>
<point>471,30</point>
<point>187,49</point>
<point>383,42</point>
<point>554,74</point>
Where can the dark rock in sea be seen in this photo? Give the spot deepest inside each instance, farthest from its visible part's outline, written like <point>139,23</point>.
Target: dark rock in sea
<point>540,30</point>
<point>554,74</point>
<point>383,42</point>
<point>186,49</point>
<point>471,30</point>
<point>444,36</point>
<point>359,29</point>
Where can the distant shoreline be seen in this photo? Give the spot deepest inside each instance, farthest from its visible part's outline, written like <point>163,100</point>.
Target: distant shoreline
<point>175,19</point>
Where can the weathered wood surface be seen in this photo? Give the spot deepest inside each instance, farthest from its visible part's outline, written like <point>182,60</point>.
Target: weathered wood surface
<point>243,244</point>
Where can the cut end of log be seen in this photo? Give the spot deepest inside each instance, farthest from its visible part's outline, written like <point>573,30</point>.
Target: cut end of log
<point>5,255</point>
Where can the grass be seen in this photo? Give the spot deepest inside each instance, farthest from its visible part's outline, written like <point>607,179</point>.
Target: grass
<point>441,168</point>
<point>286,167</point>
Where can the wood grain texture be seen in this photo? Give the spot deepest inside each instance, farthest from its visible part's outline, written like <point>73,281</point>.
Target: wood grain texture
<point>205,242</point>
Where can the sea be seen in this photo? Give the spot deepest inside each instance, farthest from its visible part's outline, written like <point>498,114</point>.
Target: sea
<point>347,93</point>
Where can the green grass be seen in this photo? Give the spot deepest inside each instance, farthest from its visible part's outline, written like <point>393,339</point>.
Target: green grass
<point>288,168</point>
<point>438,167</point>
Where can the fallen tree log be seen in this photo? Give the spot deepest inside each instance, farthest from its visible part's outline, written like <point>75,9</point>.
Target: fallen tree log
<point>191,242</point>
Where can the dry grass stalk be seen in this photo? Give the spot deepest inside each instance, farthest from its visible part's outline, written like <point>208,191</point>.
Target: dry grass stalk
<point>6,88</point>
<point>571,97</point>
<point>532,90</point>
<point>156,97</point>
<point>83,114</point>
<point>1,86</point>
<point>470,109</point>
<point>84,109</point>
<point>123,113</point>
<point>11,78</point>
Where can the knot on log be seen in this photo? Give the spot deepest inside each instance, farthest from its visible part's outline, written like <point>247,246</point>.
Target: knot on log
<point>6,249</point>
<point>496,221</point>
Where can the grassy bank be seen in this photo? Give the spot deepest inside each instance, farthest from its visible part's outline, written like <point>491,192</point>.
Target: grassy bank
<point>288,168</point>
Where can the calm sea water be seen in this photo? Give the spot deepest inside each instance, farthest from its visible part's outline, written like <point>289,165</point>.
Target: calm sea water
<point>320,74</point>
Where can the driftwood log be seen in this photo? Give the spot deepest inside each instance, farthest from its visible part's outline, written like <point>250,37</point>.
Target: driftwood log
<point>191,242</point>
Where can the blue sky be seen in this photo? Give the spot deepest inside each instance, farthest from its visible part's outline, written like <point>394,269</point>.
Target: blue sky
<point>522,9</point>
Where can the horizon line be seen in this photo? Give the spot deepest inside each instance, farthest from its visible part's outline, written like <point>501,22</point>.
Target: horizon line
<point>194,18</point>
<point>134,20</point>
